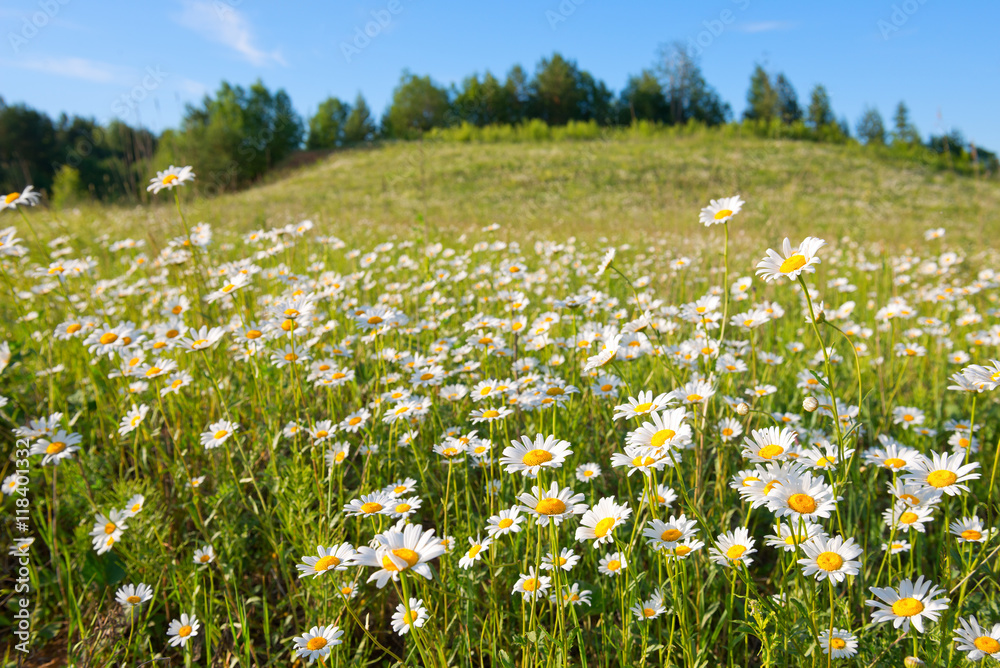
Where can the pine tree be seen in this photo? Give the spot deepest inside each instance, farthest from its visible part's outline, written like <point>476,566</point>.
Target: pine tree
<point>359,126</point>
<point>870,128</point>
<point>904,132</point>
<point>788,100</point>
<point>762,98</point>
<point>820,111</point>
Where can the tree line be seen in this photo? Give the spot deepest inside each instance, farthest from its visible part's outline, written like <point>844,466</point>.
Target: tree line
<point>237,135</point>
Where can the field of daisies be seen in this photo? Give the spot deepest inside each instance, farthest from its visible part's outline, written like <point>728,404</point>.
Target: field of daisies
<point>276,448</point>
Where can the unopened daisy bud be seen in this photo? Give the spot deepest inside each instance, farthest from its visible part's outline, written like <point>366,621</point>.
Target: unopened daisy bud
<point>742,408</point>
<point>913,662</point>
<point>809,404</point>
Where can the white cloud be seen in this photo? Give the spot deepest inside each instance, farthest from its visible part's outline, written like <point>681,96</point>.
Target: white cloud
<point>73,68</point>
<point>765,26</point>
<point>220,22</point>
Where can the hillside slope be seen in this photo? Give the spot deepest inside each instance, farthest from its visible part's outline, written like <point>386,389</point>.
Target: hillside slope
<point>628,189</point>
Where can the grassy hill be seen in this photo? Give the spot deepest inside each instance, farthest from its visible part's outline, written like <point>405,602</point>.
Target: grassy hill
<point>626,188</point>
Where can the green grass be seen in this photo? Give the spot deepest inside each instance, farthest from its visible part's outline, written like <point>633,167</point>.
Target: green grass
<point>630,190</point>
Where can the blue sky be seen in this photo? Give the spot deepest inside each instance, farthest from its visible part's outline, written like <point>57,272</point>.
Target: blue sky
<point>142,61</point>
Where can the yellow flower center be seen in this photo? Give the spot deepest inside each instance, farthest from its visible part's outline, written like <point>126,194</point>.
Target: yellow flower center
<point>794,263</point>
<point>329,561</point>
<point>108,338</point>
<point>987,644</point>
<point>133,599</point>
<point>536,457</point>
<point>648,612</point>
<point>109,528</point>
<point>603,527</point>
<point>153,370</point>
<point>606,387</point>
<point>74,328</point>
<point>829,561</point>
<point>643,408</point>
<point>908,517</point>
<point>167,180</point>
<point>55,448</point>
<point>205,558</point>
<point>907,607</point>
<point>639,461</point>
<point>199,342</point>
<point>315,644</point>
<point>11,197</point>
<point>894,463</point>
<point>802,503</point>
<point>291,357</point>
<point>670,535</point>
<point>137,507</point>
<point>971,534</point>
<point>550,506</point>
<point>770,451</point>
<point>681,550</point>
<point>172,333</point>
<point>837,643</point>
<point>661,437</point>
<point>403,508</point>
<point>184,631</point>
<point>531,584</point>
<point>505,523</point>
<point>354,421</point>
<point>474,550</point>
<point>723,213</point>
<point>346,591</point>
<point>491,413</point>
<point>614,565</point>
<point>941,478</point>
<point>288,325</point>
<point>220,434</point>
<point>694,398</point>
<point>371,507</point>
<point>374,320</point>
<point>735,552</point>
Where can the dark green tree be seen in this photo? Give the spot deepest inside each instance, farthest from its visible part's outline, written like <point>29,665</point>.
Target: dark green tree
<point>762,98</point>
<point>484,102</point>
<point>359,127</point>
<point>643,99</point>
<point>788,101</point>
<point>870,128</point>
<point>688,94</point>
<point>235,137</point>
<point>517,88</point>
<point>417,106</point>
<point>820,110</point>
<point>904,132</point>
<point>326,127</point>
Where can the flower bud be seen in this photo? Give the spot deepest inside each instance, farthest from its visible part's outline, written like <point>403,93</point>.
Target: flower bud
<point>742,408</point>
<point>809,404</point>
<point>913,662</point>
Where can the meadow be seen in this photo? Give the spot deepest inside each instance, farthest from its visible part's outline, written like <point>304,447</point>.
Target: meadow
<point>621,402</point>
